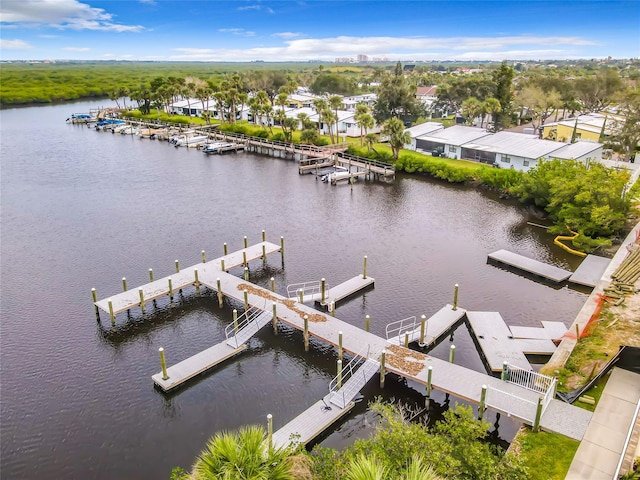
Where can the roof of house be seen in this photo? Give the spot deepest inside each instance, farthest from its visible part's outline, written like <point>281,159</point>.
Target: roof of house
<point>576,150</point>
<point>426,91</point>
<point>456,135</point>
<point>516,144</point>
<point>424,128</point>
<point>302,98</point>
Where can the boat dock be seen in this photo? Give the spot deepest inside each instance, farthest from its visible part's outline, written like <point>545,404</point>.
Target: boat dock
<point>529,265</point>
<point>590,271</point>
<point>346,289</point>
<point>438,326</point>
<point>499,346</point>
<point>553,331</point>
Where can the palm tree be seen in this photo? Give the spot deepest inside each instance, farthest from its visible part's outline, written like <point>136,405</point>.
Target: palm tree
<point>320,104</point>
<point>366,468</point>
<point>398,136</point>
<point>471,108</point>
<point>335,102</point>
<point>242,455</point>
<point>361,110</point>
<point>417,470</point>
<point>492,106</point>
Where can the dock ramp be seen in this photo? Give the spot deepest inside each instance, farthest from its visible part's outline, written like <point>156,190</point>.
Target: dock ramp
<point>246,326</point>
<point>353,377</point>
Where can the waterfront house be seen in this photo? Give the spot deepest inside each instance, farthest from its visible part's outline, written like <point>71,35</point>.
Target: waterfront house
<point>448,142</point>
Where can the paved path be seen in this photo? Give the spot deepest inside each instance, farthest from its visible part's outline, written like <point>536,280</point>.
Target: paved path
<point>605,440</point>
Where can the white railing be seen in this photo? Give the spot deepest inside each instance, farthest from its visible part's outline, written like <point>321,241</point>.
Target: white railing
<point>508,402</point>
<point>247,319</point>
<point>529,379</point>
<point>354,375</point>
<point>313,289</point>
<point>549,395</point>
<point>400,328</point>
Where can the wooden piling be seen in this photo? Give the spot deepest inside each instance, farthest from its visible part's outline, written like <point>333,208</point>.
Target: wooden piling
<point>483,399</point>
<point>246,241</point>
<point>382,368</point>
<point>364,270</point>
<point>406,340</point>
<point>455,297</point>
<point>340,350</point>
<point>274,320</point>
<point>177,266</point>
<point>282,247</point>
<point>323,287</point>
<point>264,236</point>
<point>195,276</point>
<point>452,353</point>
<point>124,284</point>
<point>151,274</point>
<point>577,333</point>
<point>270,431</point>
<point>163,363</point>
<point>367,322</point>
<point>170,289</point>
<point>273,284</point>
<point>220,297</point>
<point>141,293</point>
<point>246,273</point>
<point>264,252</point>
<point>300,295</point>
<point>244,258</point>
<point>536,422</point>
<point>224,246</point>
<point>222,265</point>
<point>204,257</point>
<point>423,330</point>
<point>429,377</point>
<point>332,307</point>
<point>306,333</point>
<point>235,320</point>
<point>505,371</point>
<point>246,300</point>
<point>94,295</point>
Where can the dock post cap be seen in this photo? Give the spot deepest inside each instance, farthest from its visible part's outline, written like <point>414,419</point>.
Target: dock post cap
<point>452,347</point>
<point>430,367</point>
<point>484,387</point>
<point>340,332</point>
<point>272,278</point>
<point>269,416</point>
<point>456,285</point>
<point>93,289</point>
<point>161,349</point>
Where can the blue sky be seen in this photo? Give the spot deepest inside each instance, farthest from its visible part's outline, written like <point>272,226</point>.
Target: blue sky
<point>212,30</point>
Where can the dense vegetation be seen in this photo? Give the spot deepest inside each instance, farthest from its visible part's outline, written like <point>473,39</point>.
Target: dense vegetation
<point>456,447</point>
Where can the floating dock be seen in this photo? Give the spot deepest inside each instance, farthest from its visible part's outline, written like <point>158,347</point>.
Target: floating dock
<point>590,271</point>
<point>346,289</point>
<point>195,365</point>
<point>310,423</point>
<point>553,331</point>
<point>438,326</point>
<point>498,345</point>
<point>529,265</point>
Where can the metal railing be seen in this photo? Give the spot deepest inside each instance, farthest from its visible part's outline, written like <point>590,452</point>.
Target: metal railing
<point>354,376</point>
<point>313,288</point>
<point>549,394</point>
<point>367,161</point>
<point>401,328</point>
<point>529,379</point>
<point>505,402</point>
<point>247,319</point>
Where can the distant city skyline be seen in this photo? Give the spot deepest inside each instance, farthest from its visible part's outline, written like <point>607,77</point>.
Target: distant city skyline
<point>314,30</point>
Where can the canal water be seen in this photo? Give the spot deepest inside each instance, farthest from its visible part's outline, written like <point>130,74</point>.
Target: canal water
<point>82,209</point>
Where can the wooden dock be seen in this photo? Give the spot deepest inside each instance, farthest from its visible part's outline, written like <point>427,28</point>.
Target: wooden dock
<point>590,271</point>
<point>198,363</point>
<point>438,326</point>
<point>346,289</point>
<point>309,424</point>
<point>553,331</point>
<point>498,345</point>
<point>368,166</point>
<point>529,265</point>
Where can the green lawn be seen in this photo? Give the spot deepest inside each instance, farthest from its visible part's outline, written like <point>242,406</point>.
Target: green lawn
<point>547,456</point>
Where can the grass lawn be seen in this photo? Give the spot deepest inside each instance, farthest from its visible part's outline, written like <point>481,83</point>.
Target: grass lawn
<point>547,456</point>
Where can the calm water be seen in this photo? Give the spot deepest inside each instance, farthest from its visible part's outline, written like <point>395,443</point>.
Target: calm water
<point>82,209</point>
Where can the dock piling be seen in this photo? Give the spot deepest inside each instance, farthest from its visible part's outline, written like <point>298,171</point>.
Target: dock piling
<point>452,353</point>
<point>367,322</point>
<point>94,295</point>
<point>235,320</point>
<point>246,241</point>
<point>264,236</point>
<point>170,289</point>
<point>224,246</point>
<point>141,293</point>
<point>163,363</point>
<point>429,376</point>
<point>273,284</point>
<point>406,340</point>
<point>151,274</point>
<point>282,247</point>
<point>306,333</point>
<point>339,374</point>
<point>536,422</point>
<point>423,330</point>
<point>111,315</point>
<point>577,333</point>
<point>220,298</point>
<point>382,368</point>
<point>301,295</point>
<point>332,307</point>
<point>222,264</point>
<point>455,297</point>
<point>483,399</point>
<point>124,284</point>
<point>246,273</point>
<point>244,258</point>
<point>340,350</point>
<point>274,320</point>
<point>246,300</point>
<point>270,431</point>
<point>364,270</point>
<point>505,371</point>
<point>323,287</point>
<point>195,276</point>
<point>264,252</point>
<point>177,266</point>
<point>204,257</point>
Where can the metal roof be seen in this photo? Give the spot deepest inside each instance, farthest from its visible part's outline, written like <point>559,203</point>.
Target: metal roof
<point>516,144</point>
<point>456,135</point>
<point>576,150</point>
<point>424,128</point>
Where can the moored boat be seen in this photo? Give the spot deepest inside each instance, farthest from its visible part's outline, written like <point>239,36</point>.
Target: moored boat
<point>81,118</point>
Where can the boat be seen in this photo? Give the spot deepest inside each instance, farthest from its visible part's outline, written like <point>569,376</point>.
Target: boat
<point>219,147</point>
<point>129,130</point>
<point>108,124</point>
<point>191,140</point>
<point>336,173</point>
<point>119,128</point>
<point>81,118</point>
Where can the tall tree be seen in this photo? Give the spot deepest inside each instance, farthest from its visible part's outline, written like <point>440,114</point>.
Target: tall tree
<point>396,98</point>
<point>471,108</point>
<point>361,110</point>
<point>626,132</point>
<point>595,93</point>
<point>539,104</point>
<point>503,81</point>
<point>335,102</point>
<point>398,136</point>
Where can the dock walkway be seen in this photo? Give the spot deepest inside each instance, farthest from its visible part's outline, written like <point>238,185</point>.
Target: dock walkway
<point>346,289</point>
<point>590,271</point>
<point>529,265</point>
<point>438,326</point>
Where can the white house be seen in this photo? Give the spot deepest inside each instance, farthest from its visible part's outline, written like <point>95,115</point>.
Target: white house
<point>422,129</point>
<point>448,142</point>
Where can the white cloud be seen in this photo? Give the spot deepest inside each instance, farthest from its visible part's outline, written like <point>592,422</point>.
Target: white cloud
<point>62,14</point>
<point>286,34</point>
<point>148,2</point>
<point>238,31</point>
<point>257,8</point>
<point>14,44</point>
<point>77,49</point>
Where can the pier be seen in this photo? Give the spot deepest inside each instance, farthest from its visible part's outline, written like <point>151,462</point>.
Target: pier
<point>590,271</point>
<point>529,265</point>
<point>521,393</point>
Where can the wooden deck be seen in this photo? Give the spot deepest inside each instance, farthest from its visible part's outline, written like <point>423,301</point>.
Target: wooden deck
<point>365,165</point>
<point>497,345</point>
<point>346,289</point>
<point>590,271</point>
<point>529,265</point>
<point>198,363</point>
<point>309,424</point>
<point>553,331</point>
<point>438,326</point>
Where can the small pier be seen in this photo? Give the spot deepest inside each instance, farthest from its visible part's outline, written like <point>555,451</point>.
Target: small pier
<point>529,265</point>
<point>590,271</point>
<point>346,289</point>
<point>553,331</point>
<point>195,365</point>
<point>310,423</point>
<point>438,326</point>
<point>499,346</point>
